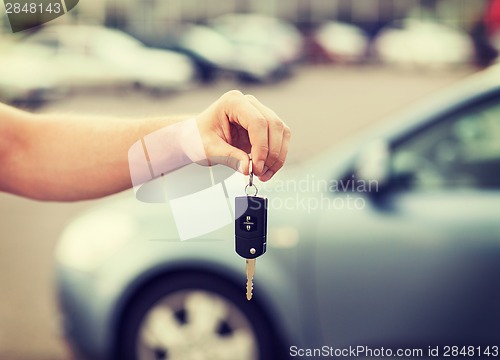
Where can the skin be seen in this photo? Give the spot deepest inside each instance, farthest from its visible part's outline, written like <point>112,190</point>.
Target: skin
<point>70,158</point>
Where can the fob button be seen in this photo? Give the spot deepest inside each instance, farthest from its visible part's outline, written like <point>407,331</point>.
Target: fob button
<point>248,223</point>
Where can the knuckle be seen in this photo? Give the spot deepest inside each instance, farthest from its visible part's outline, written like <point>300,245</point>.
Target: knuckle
<point>251,97</point>
<point>278,124</point>
<point>232,96</point>
<point>279,163</point>
<point>234,93</point>
<point>228,155</point>
<point>287,133</point>
<point>260,121</point>
<point>274,155</point>
<point>261,150</point>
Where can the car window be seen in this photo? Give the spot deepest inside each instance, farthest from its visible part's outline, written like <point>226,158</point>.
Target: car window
<point>461,151</point>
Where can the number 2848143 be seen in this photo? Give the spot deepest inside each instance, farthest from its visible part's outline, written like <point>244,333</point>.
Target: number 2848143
<point>32,8</point>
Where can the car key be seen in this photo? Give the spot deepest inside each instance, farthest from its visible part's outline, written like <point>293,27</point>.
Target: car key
<point>250,229</point>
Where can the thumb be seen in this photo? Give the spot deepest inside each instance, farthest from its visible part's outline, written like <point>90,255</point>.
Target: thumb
<point>230,156</point>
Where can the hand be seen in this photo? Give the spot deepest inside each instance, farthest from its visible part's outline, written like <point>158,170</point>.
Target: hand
<point>236,125</point>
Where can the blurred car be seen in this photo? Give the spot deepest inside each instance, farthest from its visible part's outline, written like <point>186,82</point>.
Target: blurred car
<point>272,35</point>
<point>214,54</point>
<point>392,239</point>
<point>423,44</point>
<point>253,47</point>
<point>340,42</point>
<point>60,58</point>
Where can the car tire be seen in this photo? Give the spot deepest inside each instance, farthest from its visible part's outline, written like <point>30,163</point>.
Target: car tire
<point>170,298</point>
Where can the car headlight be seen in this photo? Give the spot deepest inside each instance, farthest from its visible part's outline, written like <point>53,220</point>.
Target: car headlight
<point>93,238</point>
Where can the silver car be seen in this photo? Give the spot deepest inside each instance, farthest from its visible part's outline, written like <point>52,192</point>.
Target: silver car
<point>62,58</point>
<point>390,242</point>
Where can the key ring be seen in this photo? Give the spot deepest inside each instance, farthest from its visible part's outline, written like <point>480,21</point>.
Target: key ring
<point>250,171</point>
<point>250,180</point>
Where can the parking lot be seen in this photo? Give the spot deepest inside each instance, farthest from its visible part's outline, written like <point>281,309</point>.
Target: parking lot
<point>322,104</point>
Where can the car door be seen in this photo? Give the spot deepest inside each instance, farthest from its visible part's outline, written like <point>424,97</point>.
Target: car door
<point>417,265</point>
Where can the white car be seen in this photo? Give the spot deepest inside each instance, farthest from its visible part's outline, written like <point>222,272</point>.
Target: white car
<point>341,42</point>
<point>59,58</point>
<point>424,44</point>
<point>269,33</point>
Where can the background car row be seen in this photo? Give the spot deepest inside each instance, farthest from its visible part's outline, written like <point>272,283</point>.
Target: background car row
<point>59,59</point>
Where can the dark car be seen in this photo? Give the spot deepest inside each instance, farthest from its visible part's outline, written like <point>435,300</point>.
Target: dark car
<point>252,47</point>
<point>390,242</point>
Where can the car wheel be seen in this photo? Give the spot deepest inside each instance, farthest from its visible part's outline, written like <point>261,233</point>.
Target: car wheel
<point>195,316</point>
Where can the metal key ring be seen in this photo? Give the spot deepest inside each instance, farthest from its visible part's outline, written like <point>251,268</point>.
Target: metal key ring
<point>250,171</point>
<point>250,180</point>
<point>250,186</point>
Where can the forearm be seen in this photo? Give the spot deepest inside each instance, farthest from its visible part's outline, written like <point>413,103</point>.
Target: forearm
<point>66,158</point>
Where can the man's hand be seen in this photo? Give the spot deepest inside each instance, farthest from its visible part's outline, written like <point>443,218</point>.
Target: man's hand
<point>236,125</point>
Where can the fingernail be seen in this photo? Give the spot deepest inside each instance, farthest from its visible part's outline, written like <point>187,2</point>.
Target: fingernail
<point>260,165</point>
<point>267,175</point>
<point>240,167</point>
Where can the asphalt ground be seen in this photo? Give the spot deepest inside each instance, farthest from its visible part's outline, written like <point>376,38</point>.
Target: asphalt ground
<point>322,104</point>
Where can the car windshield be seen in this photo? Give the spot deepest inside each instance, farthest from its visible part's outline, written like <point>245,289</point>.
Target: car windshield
<point>461,151</point>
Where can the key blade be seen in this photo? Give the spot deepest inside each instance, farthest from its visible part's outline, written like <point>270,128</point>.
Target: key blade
<point>250,269</point>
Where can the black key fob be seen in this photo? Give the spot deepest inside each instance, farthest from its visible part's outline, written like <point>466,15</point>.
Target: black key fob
<point>251,226</point>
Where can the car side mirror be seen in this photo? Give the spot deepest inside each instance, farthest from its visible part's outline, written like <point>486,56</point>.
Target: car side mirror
<point>373,165</point>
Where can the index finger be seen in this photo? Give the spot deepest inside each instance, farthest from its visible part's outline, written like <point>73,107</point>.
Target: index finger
<point>258,134</point>
<point>241,110</point>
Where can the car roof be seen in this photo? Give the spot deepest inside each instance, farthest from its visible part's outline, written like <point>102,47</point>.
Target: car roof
<point>82,34</point>
<point>471,89</point>
<point>483,84</point>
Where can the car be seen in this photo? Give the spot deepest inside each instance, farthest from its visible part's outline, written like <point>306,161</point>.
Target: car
<point>56,59</point>
<point>387,242</point>
<point>412,43</point>
<point>271,34</point>
<point>216,54</point>
<point>339,42</point>
<point>254,48</point>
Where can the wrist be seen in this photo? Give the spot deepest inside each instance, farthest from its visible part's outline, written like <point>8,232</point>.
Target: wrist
<point>190,141</point>
<point>166,149</point>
